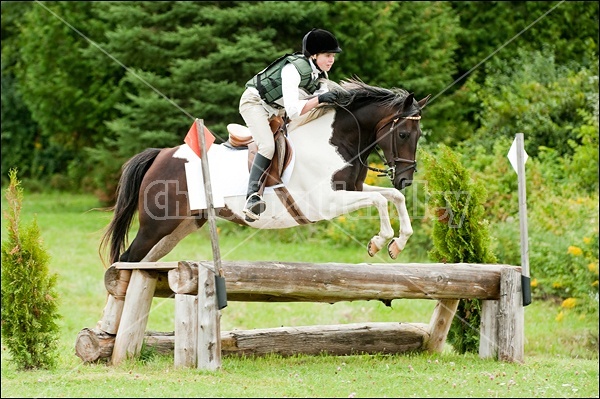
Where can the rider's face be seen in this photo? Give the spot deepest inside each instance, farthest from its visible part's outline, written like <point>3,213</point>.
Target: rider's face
<point>325,61</point>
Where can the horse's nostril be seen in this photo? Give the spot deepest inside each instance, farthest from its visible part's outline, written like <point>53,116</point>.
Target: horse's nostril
<point>405,183</point>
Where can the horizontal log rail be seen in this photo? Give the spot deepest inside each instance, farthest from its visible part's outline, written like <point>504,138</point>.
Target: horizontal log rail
<point>326,282</point>
<point>340,340</point>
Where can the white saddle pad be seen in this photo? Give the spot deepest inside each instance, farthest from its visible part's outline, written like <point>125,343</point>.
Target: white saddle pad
<point>228,174</point>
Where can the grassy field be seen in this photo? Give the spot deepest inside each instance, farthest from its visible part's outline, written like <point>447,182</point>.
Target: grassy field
<point>561,354</point>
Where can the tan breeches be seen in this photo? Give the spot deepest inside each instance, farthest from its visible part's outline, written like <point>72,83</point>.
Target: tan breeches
<point>257,120</point>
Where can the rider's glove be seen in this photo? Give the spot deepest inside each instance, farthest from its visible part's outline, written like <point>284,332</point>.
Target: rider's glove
<point>329,97</point>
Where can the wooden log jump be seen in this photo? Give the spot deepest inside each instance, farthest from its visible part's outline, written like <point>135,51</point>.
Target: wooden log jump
<point>502,331</point>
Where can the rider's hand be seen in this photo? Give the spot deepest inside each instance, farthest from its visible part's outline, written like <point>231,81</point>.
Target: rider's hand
<point>329,97</point>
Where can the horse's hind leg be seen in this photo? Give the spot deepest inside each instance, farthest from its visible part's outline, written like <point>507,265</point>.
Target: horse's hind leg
<point>168,242</point>
<point>153,242</point>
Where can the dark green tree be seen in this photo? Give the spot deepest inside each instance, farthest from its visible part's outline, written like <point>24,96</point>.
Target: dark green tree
<point>19,131</point>
<point>191,59</point>
<point>495,32</point>
<point>510,26</point>
<point>400,44</point>
<point>69,94</point>
<point>29,298</point>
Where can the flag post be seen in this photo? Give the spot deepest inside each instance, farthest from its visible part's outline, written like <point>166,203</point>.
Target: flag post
<point>518,156</point>
<point>209,304</point>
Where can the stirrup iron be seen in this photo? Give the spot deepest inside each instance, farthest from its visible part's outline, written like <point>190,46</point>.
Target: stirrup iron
<point>255,205</point>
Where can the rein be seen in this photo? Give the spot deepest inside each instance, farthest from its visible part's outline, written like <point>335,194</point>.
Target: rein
<point>390,171</point>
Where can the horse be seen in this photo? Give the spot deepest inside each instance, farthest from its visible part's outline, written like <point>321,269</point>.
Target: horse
<point>330,150</point>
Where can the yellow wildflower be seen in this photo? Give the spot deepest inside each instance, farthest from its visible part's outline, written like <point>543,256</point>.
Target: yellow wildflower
<point>587,240</point>
<point>569,303</point>
<point>560,316</point>
<point>593,267</point>
<point>534,283</point>
<point>575,251</point>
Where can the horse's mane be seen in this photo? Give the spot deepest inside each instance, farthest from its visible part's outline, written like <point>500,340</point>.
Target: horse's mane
<point>355,91</point>
<point>352,93</point>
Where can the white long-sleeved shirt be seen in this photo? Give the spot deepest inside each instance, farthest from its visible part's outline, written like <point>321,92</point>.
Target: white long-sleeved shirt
<point>294,98</point>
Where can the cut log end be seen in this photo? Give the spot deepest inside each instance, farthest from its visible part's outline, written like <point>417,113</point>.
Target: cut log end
<point>94,344</point>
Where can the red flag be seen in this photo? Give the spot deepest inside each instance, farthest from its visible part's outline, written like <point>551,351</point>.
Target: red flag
<point>192,140</point>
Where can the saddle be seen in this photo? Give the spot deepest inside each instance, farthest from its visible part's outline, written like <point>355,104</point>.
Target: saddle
<point>240,138</point>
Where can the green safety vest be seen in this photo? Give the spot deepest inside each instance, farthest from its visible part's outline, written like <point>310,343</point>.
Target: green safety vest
<point>268,82</point>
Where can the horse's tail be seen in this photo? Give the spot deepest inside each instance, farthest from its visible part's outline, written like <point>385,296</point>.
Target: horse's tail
<point>125,207</point>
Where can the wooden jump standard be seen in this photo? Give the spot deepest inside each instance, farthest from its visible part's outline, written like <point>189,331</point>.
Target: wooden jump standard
<point>131,287</point>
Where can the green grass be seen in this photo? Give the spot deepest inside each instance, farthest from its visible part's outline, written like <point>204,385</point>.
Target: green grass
<point>561,354</point>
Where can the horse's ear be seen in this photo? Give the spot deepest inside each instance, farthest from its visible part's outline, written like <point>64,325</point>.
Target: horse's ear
<point>408,102</point>
<point>424,101</point>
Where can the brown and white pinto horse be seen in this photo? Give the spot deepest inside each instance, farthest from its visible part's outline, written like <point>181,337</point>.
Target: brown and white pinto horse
<point>327,179</point>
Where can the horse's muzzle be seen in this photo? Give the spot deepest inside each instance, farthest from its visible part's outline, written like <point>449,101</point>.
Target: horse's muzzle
<point>403,183</point>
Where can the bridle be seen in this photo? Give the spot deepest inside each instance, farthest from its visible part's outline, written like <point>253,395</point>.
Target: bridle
<point>390,171</point>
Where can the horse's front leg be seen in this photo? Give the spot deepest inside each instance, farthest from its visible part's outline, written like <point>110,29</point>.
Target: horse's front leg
<point>348,201</point>
<point>386,232</point>
<point>397,198</point>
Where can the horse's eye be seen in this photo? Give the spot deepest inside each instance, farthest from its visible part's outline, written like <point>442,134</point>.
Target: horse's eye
<point>403,135</point>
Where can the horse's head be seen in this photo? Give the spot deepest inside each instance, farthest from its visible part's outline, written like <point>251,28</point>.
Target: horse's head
<point>374,116</point>
<point>397,136</point>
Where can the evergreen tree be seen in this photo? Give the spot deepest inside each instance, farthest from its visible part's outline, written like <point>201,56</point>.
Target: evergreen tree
<point>460,233</point>
<point>68,92</point>
<point>19,131</point>
<point>29,299</point>
<point>188,60</point>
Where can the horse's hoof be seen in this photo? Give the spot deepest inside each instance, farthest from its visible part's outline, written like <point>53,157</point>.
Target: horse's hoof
<point>372,249</point>
<point>393,249</point>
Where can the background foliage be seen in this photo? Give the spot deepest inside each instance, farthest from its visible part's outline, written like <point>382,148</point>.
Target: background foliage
<point>89,84</point>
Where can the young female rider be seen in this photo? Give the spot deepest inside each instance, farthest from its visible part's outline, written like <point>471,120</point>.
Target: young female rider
<point>290,85</point>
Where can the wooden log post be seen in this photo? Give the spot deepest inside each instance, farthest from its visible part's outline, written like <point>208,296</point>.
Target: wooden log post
<point>511,317</point>
<point>186,330</point>
<point>488,330</point>
<point>440,323</point>
<point>111,316</point>
<point>134,319</point>
<point>502,330</point>
<point>209,321</point>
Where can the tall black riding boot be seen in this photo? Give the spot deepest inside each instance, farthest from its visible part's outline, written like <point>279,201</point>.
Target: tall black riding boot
<point>255,204</point>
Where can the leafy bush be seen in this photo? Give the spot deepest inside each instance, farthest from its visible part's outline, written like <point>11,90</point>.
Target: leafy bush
<point>29,299</point>
<point>532,94</point>
<point>562,221</point>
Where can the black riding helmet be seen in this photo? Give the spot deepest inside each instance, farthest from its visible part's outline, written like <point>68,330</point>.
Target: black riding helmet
<point>319,41</point>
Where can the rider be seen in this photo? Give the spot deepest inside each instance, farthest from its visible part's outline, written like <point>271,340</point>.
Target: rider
<point>289,85</point>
